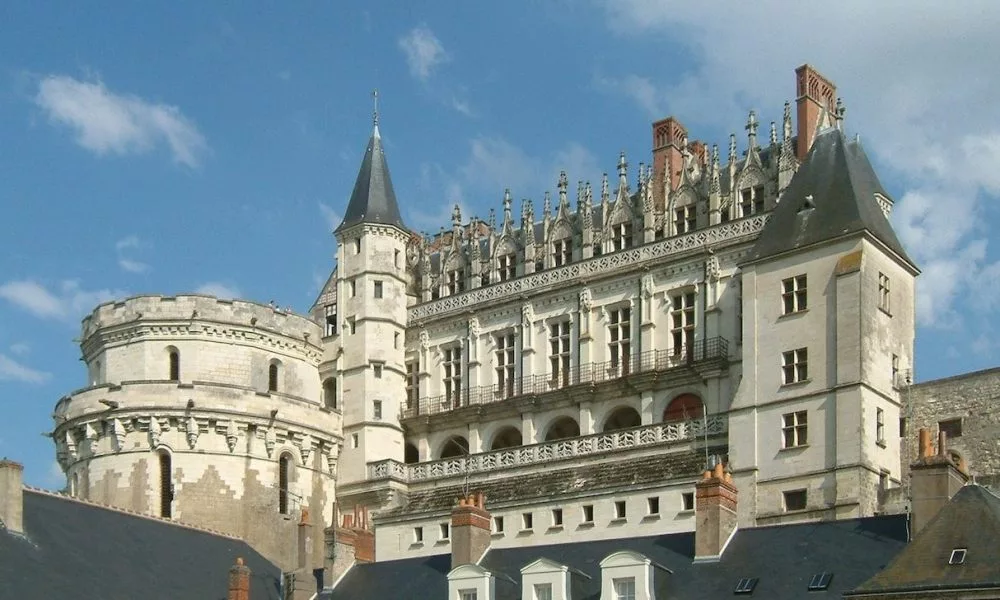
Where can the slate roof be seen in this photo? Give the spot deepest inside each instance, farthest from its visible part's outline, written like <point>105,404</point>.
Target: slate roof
<point>557,482</point>
<point>784,558</point>
<point>76,550</point>
<point>842,183</point>
<point>373,199</point>
<point>970,521</point>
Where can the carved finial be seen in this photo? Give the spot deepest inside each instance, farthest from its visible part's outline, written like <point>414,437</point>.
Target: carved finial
<point>786,123</point>
<point>547,206</point>
<point>732,148</point>
<point>563,188</point>
<point>579,195</point>
<point>751,128</point>
<point>839,112</point>
<point>642,175</point>
<point>507,218</point>
<point>605,195</point>
<point>375,112</point>
<point>622,172</point>
<point>774,134</point>
<point>456,216</point>
<point>493,219</point>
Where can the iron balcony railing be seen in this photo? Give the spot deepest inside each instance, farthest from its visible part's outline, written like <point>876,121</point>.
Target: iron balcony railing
<point>651,361</point>
<point>597,443</point>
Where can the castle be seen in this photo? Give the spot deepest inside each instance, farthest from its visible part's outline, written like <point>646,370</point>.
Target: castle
<point>582,368</point>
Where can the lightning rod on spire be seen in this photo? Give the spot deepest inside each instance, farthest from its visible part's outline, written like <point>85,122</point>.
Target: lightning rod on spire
<point>375,112</point>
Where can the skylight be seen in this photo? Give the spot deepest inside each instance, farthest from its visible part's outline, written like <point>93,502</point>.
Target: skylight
<point>820,581</point>
<point>745,585</point>
<point>957,556</point>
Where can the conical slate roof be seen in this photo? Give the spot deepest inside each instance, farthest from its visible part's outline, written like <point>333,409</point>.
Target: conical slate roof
<point>373,199</point>
<point>831,195</point>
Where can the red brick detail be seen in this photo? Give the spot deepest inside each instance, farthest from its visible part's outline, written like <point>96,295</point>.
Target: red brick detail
<point>239,581</point>
<point>814,93</point>
<point>472,516</point>
<point>716,489</point>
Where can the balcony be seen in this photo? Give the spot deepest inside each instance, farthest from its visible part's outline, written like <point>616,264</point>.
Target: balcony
<point>587,445</point>
<point>702,355</point>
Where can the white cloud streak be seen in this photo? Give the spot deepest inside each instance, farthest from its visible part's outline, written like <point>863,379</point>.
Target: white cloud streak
<point>219,290</point>
<point>109,123</point>
<point>11,370</point>
<point>126,246</point>
<point>67,301</point>
<point>423,51</point>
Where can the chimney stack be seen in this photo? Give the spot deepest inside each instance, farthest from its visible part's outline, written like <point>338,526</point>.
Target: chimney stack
<point>470,530</point>
<point>814,95</point>
<point>715,506</point>
<point>11,496</point>
<point>304,547</point>
<point>934,479</point>
<point>669,136</point>
<point>239,581</point>
<point>348,543</point>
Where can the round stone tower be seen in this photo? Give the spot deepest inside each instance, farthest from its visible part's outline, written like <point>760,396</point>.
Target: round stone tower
<point>207,411</point>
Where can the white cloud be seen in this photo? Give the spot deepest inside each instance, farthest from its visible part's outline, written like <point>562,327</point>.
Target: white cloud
<point>106,122</point>
<point>423,51</point>
<point>913,82</point>
<point>132,266</point>
<point>11,370</point>
<point>330,216</point>
<point>219,290</point>
<point>69,301</point>
<point>56,477</point>
<point>20,349</point>
<point>126,246</point>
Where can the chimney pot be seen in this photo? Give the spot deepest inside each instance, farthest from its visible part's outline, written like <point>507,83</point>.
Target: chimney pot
<point>715,507</point>
<point>942,444</point>
<point>239,581</point>
<point>12,496</point>
<point>470,530</point>
<point>925,443</point>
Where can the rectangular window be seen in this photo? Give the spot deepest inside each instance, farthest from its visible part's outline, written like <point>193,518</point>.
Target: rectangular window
<point>557,517</point>
<point>331,320</point>
<point>559,353</point>
<point>619,509</point>
<point>902,427</point>
<point>497,524</point>
<point>883,292</point>
<point>412,382</point>
<point>418,535</point>
<point>624,588</point>
<point>505,365</point>
<point>795,429</point>
<point>507,267</point>
<point>621,236</point>
<point>543,591</point>
<point>562,252</point>
<point>758,199</point>
<point>456,282</point>
<point>685,219</point>
<point>895,370</point>
<point>653,505</point>
<point>445,530</point>
<point>377,370</point>
<point>794,500</point>
<point>746,202</point>
<point>354,288</point>
<point>880,426</point>
<point>952,428</point>
<point>350,325</point>
<point>527,522</point>
<point>620,340</point>
<point>378,289</point>
<point>377,410</point>
<point>687,501</point>
<point>354,440</point>
<point>588,513</point>
<point>467,595</point>
<point>452,361</point>
<point>395,258</point>
<point>682,323</point>
<point>357,246</point>
<point>395,340</point>
<point>794,366</point>
<point>793,295</point>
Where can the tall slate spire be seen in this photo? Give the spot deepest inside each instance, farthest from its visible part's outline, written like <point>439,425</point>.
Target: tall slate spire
<point>373,199</point>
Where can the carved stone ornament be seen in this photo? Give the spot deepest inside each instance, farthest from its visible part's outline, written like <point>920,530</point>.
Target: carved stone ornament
<point>270,439</point>
<point>647,285</point>
<point>192,432</point>
<point>118,430</point>
<point>306,450</point>
<point>154,432</point>
<point>70,445</point>
<point>474,326</point>
<point>586,302</point>
<point>527,315</point>
<point>232,435</point>
<point>425,339</point>
<point>712,269</point>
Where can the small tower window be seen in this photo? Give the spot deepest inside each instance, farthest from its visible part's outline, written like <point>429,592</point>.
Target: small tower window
<point>166,486</point>
<point>378,289</point>
<point>272,377</point>
<point>357,245</point>
<point>284,466</point>
<point>174,358</point>
<point>330,393</point>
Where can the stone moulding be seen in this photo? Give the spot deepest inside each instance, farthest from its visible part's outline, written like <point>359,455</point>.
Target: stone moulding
<point>592,267</point>
<point>598,443</point>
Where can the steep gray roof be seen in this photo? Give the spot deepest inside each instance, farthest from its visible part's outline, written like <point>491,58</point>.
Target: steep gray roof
<point>373,199</point>
<point>838,181</point>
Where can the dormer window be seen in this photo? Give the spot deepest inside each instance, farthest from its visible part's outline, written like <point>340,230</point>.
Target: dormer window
<point>621,236</point>
<point>456,282</point>
<point>562,252</point>
<point>685,220</point>
<point>957,556</point>
<point>507,267</point>
<point>752,200</point>
<point>331,319</point>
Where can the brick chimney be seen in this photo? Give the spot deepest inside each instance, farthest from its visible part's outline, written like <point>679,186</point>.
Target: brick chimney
<point>470,530</point>
<point>814,94</point>
<point>668,157</point>
<point>239,581</point>
<point>304,542</point>
<point>302,583</point>
<point>11,496</point>
<point>934,479</point>
<point>715,505</point>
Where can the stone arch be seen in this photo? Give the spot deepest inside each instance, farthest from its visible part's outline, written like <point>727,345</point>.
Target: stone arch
<point>623,417</point>
<point>173,363</point>
<point>683,407</point>
<point>330,392</point>
<point>562,428</point>
<point>456,445</point>
<point>285,463</point>
<point>410,453</point>
<point>507,437</point>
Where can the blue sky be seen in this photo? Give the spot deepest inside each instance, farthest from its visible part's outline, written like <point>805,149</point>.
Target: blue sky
<point>184,146</point>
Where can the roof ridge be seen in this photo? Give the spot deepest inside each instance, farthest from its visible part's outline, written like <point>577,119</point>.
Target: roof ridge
<point>118,509</point>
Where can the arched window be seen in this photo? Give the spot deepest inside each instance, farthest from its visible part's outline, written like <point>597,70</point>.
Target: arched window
<point>508,437</point>
<point>174,359</point>
<point>411,454</point>
<point>683,408</point>
<point>272,377</point>
<point>166,485</point>
<point>562,428</point>
<point>622,418</point>
<point>330,393</point>
<point>284,467</point>
<point>455,446</point>
<point>75,485</point>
